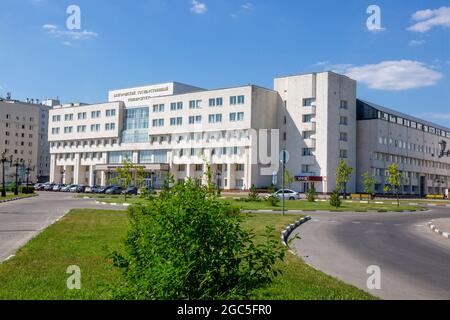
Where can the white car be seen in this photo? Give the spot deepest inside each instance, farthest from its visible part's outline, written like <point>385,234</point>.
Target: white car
<point>288,194</point>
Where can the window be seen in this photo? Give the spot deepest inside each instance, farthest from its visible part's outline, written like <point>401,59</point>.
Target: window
<point>153,156</point>
<point>81,129</point>
<point>95,114</point>
<point>176,106</point>
<point>241,100</point>
<point>111,112</point>
<point>56,118</point>
<point>219,102</point>
<point>308,134</point>
<point>307,118</point>
<point>195,119</point>
<point>119,156</point>
<point>195,104</point>
<point>215,118</point>
<point>158,122</point>
<point>343,136</point>
<point>212,102</point>
<point>159,108</point>
<point>344,104</point>
<point>239,183</point>
<point>110,126</point>
<point>68,130</point>
<point>233,100</point>
<point>68,117</point>
<point>343,121</point>
<point>308,102</point>
<point>239,167</point>
<point>306,168</point>
<point>55,130</point>
<point>233,116</point>
<point>343,154</point>
<point>176,121</point>
<point>308,152</point>
<point>82,116</point>
<point>95,128</point>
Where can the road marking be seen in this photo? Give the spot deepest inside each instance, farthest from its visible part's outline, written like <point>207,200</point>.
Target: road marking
<point>356,222</point>
<point>378,223</point>
<point>420,225</point>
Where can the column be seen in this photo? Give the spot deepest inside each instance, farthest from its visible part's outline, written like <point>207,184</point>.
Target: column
<point>53,169</point>
<point>230,177</point>
<point>76,170</point>
<point>189,171</point>
<point>91,175</point>
<point>103,178</point>
<point>65,174</point>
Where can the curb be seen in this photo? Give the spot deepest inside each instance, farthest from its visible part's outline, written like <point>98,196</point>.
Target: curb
<point>435,229</point>
<point>288,231</point>
<point>18,198</point>
<point>113,204</point>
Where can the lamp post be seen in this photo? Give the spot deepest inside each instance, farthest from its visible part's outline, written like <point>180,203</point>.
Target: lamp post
<point>16,163</point>
<point>218,176</point>
<point>283,168</point>
<point>28,169</point>
<point>3,160</point>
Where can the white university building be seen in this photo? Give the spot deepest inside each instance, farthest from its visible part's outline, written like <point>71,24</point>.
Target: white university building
<point>240,131</point>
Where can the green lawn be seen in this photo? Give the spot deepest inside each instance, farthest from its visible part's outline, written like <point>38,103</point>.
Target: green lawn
<point>12,196</point>
<point>39,269</point>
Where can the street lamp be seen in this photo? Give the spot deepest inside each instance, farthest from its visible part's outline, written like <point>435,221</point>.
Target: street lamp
<point>218,176</point>
<point>28,169</point>
<point>3,160</point>
<point>16,163</point>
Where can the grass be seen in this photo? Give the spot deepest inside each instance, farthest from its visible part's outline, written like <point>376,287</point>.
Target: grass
<point>39,269</point>
<point>303,205</point>
<point>12,196</point>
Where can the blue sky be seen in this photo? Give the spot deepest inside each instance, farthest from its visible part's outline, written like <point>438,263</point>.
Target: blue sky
<point>218,43</point>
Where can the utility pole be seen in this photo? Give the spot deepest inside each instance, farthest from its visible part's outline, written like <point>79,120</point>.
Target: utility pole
<point>16,163</point>
<point>283,168</point>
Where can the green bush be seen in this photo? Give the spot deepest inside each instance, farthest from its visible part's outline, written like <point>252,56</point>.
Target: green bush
<point>26,190</point>
<point>335,200</point>
<point>273,200</point>
<point>311,194</point>
<point>253,195</point>
<point>186,244</point>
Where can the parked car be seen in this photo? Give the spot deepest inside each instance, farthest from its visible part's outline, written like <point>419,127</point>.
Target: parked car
<point>67,188</point>
<point>90,189</point>
<point>78,189</point>
<point>102,190</point>
<point>146,190</point>
<point>131,191</point>
<point>37,186</point>
<point>49,187</point>
<point>288,194</point>
<point>114,190</point>
<point>58,187</point>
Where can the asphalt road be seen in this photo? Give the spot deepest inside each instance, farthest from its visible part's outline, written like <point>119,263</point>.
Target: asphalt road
<point>414,261</point>
<point>23,219</point>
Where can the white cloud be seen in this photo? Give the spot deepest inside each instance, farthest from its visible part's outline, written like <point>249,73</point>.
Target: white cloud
<point>427,19</point>
<point>70,34</point>
<point>394,75</point>
<point>416,43</point>
<point>247,6</point>
<point>321,63</point>
<point>198,7</point>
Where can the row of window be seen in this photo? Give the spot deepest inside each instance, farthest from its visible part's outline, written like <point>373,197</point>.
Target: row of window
<point>400,144</point>
<point>212,118</point>
<point>8,117</point>
<point>84,143</point>
<point>83,115</point>
<point>197,104</point>
<point>410,161</point>
<point>82,128</point>
<point>309,102</point>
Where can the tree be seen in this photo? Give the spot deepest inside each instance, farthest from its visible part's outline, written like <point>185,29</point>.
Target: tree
<point>189,245</point>
<point>211,187</point>
<point>343,173</point>
<point>124,175</point>
<point>140,176</point>
<point>369,184</point>
<point>253,195</point>
<point>288,178</point>
<point>311,194</point>
<point>335,200</point>
<point>394,181</point>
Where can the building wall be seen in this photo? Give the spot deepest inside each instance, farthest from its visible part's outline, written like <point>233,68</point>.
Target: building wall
<point>327,90</point>
<point>19,127</point>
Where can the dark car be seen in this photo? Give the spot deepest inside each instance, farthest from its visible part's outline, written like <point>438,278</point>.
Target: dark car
<point>68,187</point>
<point>80,189</point>
<point>114,190</point>
<point>102,190</point>
<point>131,191</point>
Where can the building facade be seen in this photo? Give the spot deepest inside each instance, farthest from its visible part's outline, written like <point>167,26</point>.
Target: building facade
<point>176,128</point>
<point>24,127</point>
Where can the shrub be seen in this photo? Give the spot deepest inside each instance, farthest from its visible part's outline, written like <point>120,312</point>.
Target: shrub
<point>311,194</point>
<point>253,195</point>
<point>26,190</point>
<point>186,244</point>
<point>335,199</point>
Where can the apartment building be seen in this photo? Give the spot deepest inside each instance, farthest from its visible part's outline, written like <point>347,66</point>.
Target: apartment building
<point>176,128</point>
<point>24,127</point>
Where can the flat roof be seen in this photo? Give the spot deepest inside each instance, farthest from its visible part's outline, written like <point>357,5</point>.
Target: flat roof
<point>404,115</point>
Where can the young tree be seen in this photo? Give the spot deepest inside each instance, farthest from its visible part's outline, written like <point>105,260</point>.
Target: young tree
<point>125,175</point>
<point>394,181</point>
<point>209,178</point>
<point>253,195</point>
<point>335,199</point>
<point>188,245</point>
<point>140,176</point>
<point>369,184</point>
<point>311,194</point>
<point>343,173</point>
<point>288,178</point>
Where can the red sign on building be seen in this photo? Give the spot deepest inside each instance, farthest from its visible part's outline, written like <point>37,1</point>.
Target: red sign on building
<point>308,179</point>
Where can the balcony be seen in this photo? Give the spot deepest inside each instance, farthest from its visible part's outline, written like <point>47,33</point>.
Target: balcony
<point>309,126</point>
<point>310,143</point>
<point>309,110</point>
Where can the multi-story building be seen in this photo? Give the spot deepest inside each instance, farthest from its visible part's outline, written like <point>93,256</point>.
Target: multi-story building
<point>24,127</point>
<point>170,127</point>
<point>177,128</point>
